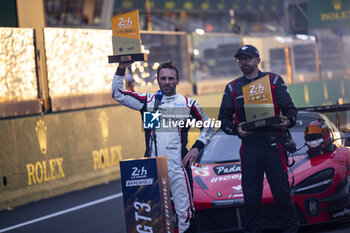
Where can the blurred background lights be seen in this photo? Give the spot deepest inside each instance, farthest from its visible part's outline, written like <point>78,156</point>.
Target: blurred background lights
<point>280,39</point>
<point>200,31</point>
<point>17,65</point>
<point>155,65</point>
<point>76,59</point>
<point>305,37</point>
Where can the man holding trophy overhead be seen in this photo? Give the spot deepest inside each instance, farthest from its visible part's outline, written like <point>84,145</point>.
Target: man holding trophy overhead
<point>168,142</point>
<point>258,108</point>
<point>167,105</point>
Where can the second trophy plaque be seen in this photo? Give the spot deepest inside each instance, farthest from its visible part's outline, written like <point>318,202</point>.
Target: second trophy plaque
<point>258,105</point>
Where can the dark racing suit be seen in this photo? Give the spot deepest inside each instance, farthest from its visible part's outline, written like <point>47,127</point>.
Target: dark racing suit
<point>171,142</point>
<point>257,154</point>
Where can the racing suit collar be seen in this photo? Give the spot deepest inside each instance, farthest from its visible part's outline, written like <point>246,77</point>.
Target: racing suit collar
<point>246,80</point>
<point>169,96</point>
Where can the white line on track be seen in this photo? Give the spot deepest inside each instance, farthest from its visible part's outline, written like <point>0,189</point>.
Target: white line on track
<point>108,198</point>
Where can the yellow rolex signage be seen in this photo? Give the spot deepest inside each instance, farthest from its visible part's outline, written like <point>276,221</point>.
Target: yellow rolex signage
<point>44,170</point>
<point>40,130</point>
<point>103,119</point>
<point>329,13</point>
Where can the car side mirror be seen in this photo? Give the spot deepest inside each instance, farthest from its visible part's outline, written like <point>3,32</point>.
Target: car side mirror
<point>347,141</point>
<point>347,137</point>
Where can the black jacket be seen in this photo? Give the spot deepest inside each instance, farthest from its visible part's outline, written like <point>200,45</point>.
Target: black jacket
<point>232,107</point>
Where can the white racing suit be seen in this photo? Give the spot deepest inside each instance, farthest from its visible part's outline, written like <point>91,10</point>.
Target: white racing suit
<point>170,141</point>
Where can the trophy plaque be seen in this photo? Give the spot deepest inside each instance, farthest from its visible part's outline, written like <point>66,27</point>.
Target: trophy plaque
<point>126,38</point>
<point>146,195</point>
<point>258,105</point>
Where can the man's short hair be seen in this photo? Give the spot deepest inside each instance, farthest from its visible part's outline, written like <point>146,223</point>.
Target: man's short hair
<point>168,65</point>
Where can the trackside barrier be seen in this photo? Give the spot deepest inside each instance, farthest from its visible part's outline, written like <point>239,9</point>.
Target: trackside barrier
<point>42,156</point>
<point>320,93</point>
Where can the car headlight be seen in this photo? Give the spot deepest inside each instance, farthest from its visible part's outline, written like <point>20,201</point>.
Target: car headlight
<point>317,183</point>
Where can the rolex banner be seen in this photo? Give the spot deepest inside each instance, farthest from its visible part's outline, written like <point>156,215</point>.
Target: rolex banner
<point>329,13</point>
<point>126,38</point>
<point>146,194</point>
<point>258,104</point>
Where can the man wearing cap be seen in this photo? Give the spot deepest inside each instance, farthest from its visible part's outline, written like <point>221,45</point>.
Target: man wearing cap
<point>258,156</point>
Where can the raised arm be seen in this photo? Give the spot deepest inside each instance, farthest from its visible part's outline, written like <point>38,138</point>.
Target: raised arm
<point>129,99</point>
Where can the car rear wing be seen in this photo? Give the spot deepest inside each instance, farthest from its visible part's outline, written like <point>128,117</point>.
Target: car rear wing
<point>328,108</point>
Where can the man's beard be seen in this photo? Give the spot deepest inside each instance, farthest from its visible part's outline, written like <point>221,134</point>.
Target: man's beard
<point>170,90</point>
<point>246,69</point>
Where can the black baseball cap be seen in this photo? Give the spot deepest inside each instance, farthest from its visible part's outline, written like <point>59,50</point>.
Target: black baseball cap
<point>249,50</point>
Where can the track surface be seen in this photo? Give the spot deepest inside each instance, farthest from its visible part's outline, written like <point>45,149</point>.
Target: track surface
<point>98,209</point>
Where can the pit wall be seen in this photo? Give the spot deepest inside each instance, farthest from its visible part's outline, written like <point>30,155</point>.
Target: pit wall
<point>46,155</point>
<point>42,156</point>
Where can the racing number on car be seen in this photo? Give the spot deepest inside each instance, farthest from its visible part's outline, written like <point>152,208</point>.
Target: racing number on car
<point>146,207</point>
<point>201,171</point>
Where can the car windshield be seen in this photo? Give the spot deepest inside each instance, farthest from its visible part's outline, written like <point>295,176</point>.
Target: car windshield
<point>298,138</point>
<point>225,148</point>
<point>221,149</point>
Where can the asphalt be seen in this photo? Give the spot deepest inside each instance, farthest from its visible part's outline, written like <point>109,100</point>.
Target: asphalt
<point>98,209</point>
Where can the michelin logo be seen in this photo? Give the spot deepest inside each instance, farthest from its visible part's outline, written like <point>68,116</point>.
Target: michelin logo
<point>151,120</point>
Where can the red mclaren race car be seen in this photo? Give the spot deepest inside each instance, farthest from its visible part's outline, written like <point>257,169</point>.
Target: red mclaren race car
<point>319,184</point>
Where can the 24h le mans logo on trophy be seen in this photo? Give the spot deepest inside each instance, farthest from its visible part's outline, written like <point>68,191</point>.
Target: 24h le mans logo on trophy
<point>258,105</point>
<point>126,38</point>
